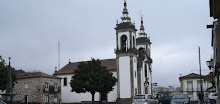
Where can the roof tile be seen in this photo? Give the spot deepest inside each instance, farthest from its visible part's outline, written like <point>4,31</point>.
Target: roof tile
<point>110,64</point>
<point>34,75</point>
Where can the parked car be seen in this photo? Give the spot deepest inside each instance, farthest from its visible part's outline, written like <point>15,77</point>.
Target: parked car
<point>165,99</point>
<point>180,99</point>
<point>2,102</point>
<point>213,97</point>
<point>144,99</point>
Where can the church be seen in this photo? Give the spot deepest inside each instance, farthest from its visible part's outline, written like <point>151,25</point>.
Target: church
<point>132,66</point>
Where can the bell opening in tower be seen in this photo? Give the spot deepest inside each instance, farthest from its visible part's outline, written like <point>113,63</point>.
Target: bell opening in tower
<point>124,43</point>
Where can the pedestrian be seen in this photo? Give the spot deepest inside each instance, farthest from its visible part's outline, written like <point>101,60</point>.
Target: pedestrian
<point>200,98</point>
<point>60,101</point>
<point>206,98</point>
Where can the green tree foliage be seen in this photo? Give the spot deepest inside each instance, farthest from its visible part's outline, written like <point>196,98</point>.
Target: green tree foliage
<point>92,77</point>
<point>4,74</point>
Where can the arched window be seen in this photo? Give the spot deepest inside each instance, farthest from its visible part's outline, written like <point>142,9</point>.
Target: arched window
<point>145,70</point>
<point>123,42</point>
<point>141,53</point>
<point>133,42</point>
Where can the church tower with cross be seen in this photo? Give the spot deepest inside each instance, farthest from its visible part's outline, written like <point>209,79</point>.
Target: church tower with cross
<point>131,67</point>
<point>126,57</point>
<point>133,59</point>
<point>144,70</point>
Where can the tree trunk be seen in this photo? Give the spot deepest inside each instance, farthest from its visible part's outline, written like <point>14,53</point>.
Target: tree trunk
<point>93,95</point>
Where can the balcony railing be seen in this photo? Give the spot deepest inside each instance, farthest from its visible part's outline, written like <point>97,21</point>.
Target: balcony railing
<point>193,89</point>
<point>189,89</point>
<point>46,89</point>
<point>56,89</point>
<point>51,89</point>
<point>199,89</point>
<point>128,50</point>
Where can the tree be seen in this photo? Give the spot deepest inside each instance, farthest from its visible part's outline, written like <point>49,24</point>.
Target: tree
<point>92,77</point>
<point>4,74</point>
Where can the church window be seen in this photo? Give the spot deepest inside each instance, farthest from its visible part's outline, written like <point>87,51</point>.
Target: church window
<point>141,53</point>
<point>124,42</point>
<point>135,74</point>
<point>145,70</point>
<point>65,81</point>
<point>135,91</point>
<point>133,42</point>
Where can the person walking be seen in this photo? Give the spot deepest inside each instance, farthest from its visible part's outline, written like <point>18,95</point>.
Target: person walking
<point>200,98</point>
<point>206,99</point>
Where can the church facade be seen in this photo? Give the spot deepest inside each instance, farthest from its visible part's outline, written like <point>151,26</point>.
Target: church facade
<point>132,66</point>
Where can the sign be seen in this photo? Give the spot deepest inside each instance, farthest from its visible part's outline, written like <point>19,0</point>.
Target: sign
<point>154,84</point>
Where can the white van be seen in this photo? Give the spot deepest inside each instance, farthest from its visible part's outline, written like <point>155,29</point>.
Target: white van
<point>145,99</point>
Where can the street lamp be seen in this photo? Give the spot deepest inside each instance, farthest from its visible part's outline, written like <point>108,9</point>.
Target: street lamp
<point>209,64</point>
<point>200,77</point>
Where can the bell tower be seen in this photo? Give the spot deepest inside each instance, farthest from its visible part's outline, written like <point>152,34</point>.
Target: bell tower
<point>144,71</point>
<point>126,57</point>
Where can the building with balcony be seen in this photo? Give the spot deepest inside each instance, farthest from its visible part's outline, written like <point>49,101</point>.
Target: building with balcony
<point>214,64</point>
<point>163,91</point>
<point>190,84</point>
<point>37,87</point>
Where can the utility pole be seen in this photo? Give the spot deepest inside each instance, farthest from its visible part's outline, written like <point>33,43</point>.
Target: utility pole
<point>200,78</point>
<point>58,55</point>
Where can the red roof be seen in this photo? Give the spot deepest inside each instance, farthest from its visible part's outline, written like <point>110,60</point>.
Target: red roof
<point>110,64</point>
<point>34,75</point>
<point>191,76</point>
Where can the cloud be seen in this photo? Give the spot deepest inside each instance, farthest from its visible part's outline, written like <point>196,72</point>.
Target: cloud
<point>30,31</point>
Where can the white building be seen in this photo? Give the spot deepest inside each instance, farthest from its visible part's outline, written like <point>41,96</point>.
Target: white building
<point>132,66</point>
<point>70,97</point>
<point>190,84</point>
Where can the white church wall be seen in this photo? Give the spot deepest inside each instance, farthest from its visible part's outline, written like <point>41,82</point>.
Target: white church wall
<point>134,35</point>
<point>149,76</point>
<point>142,79</point>
<point>124,73</point>
<point>112,96</point>
<point>135,74</point>
<point>150,88</point>
<point>148,50</point>
<point>71,97</point>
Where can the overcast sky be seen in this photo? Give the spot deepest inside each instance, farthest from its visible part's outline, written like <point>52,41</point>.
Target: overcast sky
<point>30,31</point>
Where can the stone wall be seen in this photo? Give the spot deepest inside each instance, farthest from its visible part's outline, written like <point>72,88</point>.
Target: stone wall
<point>34,88</point>
<point>124,101</point>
